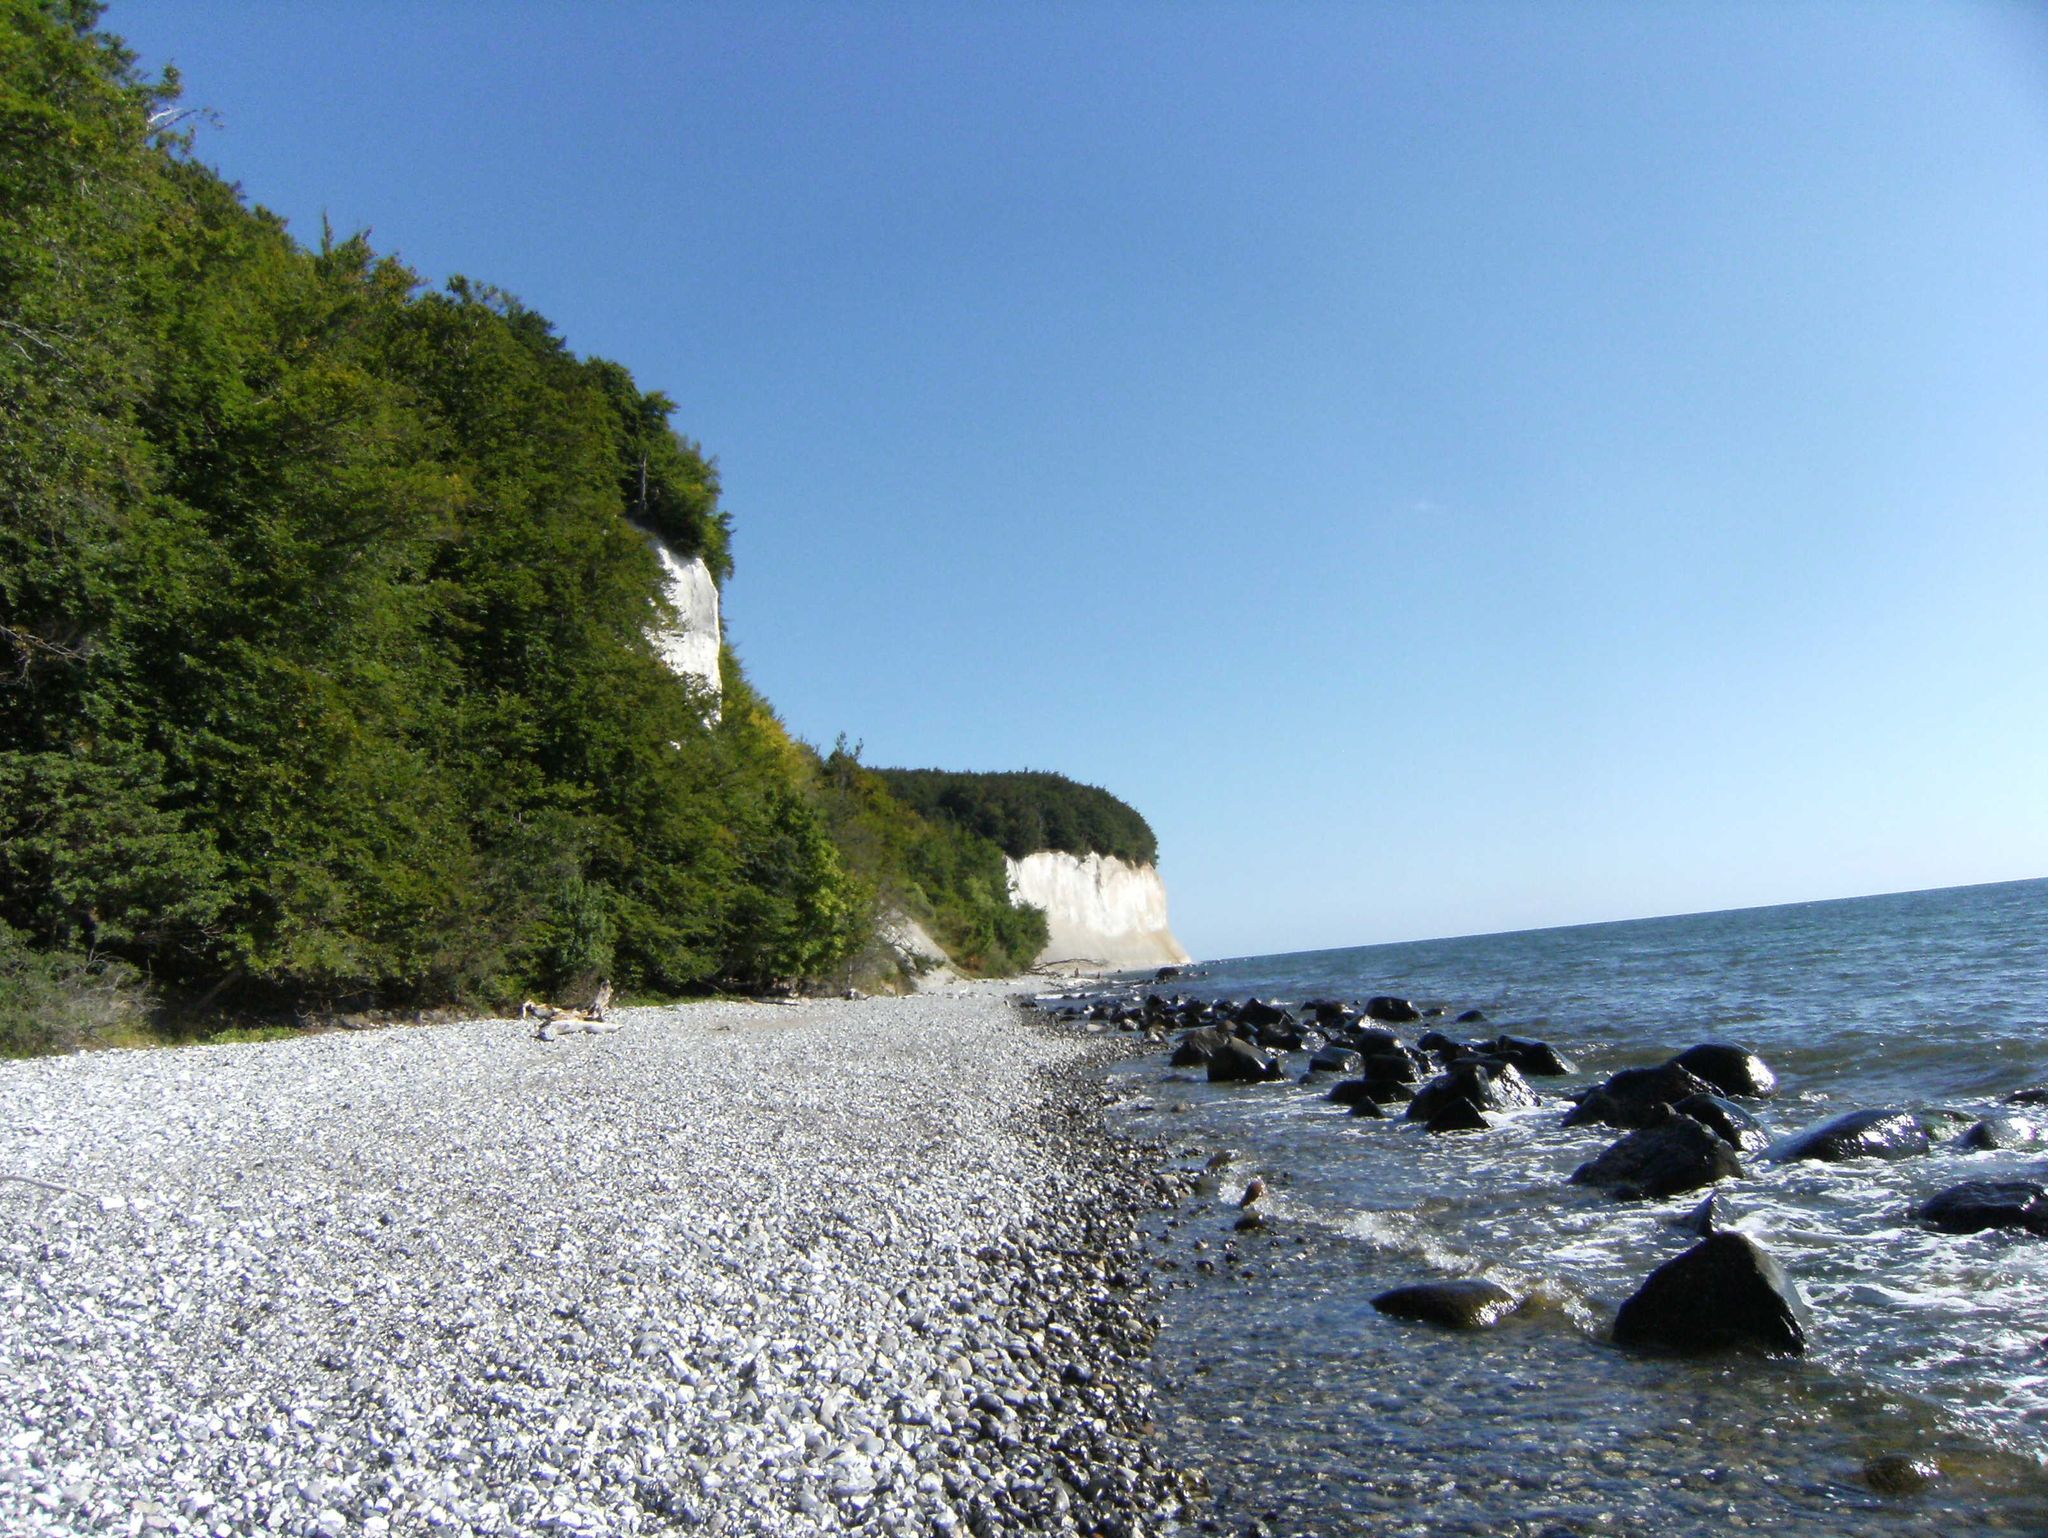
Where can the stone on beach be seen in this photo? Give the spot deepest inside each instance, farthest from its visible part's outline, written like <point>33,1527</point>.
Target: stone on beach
<point>1726,1120</point>
<point>1485,1086</point>
<point>1732,1070</point>
<point>1238,1062</point>
<point>1975,1206</point>
<point>1723,1293</point>
<point>1631,1098</point>
<point>1876,1134</point>
<point>1470,1303</point>
<point>1667,1158</point>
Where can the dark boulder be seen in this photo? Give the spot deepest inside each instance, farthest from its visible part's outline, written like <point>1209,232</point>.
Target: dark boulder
<point>1900,1473</point>
<point>1468,1304</point>
<point>1538,1059</point>
<point>1726,1120</point>
<point>1237,1062</point>
<point>1709,1217</point>
<point>1351,1091</point>
<point>1286,1036</point>
<point>1631,1098</point>
<point>1198,1046</point>
<point>2033,1094</point>
<point>1438,1045</point>
<point>1366,1108</point>
<point>1396,1067</point>
<point>1484,1086</point>
<point>1732,1070</point>
<point>1883,1134</point>
<point>1472,1017</point>
<point>1724,1292</point>
<point>1334,1059</point>
<point>1995,1132</point>
<point>1977,1205</point>
<point>1166,974</point>
<point>1392,1011</point>
<point>1368,1039</point>
<point>1458,1116</point>
<point>1667,1158</point>
<point>1255,1013</point>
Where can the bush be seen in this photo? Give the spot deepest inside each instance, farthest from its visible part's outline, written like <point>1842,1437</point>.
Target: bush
<point>58,1001</point>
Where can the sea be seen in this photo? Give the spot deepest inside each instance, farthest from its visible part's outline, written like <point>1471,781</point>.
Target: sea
<point>1309,1413</point>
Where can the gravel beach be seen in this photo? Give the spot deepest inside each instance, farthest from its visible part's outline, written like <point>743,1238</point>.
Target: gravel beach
<point>734,1268</point>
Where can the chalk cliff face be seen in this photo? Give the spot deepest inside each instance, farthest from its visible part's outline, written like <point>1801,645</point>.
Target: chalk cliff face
<point>689,646</point>
<point>1098,908</point>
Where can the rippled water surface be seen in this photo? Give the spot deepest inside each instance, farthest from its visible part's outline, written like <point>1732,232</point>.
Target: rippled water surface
<point>1315,1414</point>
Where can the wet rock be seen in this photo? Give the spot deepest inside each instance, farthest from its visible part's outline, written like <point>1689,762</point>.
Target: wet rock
<point>1396,1066</point>
<point>1726,1120</point>
<point>2033,1094</point>
<point>1254,1190</point>
<point>1878,1134</point>
<point>1256,1013</point>
<point>1996,1132</point>
<point>1468,1304</point>
<point>1333,1059</point>
<point>1484,1086</point>
<point>1438,1045</point>
<point>1458,1116</point>
<point>1900,1473</point>
<point>1198,1046</point>
<point>1732,1070</point>
<point>1472,1017</point>
<point>1539,1059</point>
<point>1711,1216</point>
<point>1353,1092</point>
<point>1237,1062</point>
<point>1391,1011</point>
<point>1667,1158</point>
<point>1249,1222</point>
<point>1631,1097</point>
<point>1978,1205</point>
<point>1366,1108</point>
<point>1723,1293</point>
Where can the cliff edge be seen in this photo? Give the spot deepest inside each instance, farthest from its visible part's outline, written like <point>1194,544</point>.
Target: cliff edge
<point>1098,909</point>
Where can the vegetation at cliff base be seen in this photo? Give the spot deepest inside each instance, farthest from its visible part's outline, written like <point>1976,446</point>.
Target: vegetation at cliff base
<point>1025,811</point>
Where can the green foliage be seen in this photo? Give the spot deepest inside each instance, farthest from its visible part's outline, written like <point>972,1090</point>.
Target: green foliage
<point>323,664</point>
<point>1024,812</point>
<point>950,879</point>
<point>55,1001</point>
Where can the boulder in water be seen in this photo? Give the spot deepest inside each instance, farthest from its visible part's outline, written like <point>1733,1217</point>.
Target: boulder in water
<point>1197,1047</point>
<point>1485,1086</point>
<point>1669,1157</point>
<point>1237,1062</point>
<point>1881,1134</point>
<point>1978,1205</point>
<point>1472,1017</point>
<point>1996,1132</point>
<point>1538,1059</point>
<point>1726,1120</point>
<point>1256,1012</point>
<point>1458,1116</point>
<point>1724,1292</point>
<point>1469,1304</point>
<point>1392,1011</point>
<point>1631,1097</point>
<point>1709,1217</point>
<point>1900,1473</point>
<point>1352,1091</point>
<point>1732,1070</point>
<point>1335,1059</point>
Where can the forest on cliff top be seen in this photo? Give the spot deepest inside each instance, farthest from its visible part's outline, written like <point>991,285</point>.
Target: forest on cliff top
<point>325,675</point>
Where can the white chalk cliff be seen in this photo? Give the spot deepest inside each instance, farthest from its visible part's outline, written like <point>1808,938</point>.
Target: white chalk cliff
<point>689,645</point>
<point>1098,908</point>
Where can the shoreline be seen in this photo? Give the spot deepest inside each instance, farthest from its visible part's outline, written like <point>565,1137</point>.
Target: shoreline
<point>734,1267</point>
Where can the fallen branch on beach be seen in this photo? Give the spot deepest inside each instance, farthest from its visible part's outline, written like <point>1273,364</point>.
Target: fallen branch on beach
<point>558,1020</point>
<point>46,1185</point>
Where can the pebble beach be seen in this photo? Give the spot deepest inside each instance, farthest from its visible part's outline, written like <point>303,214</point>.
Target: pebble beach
<point>732,1268</point>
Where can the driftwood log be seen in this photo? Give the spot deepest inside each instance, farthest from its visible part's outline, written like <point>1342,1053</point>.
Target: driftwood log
<point>552,1020</point>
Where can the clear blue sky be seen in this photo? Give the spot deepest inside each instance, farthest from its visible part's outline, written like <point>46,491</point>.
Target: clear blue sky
<point>1452,467</point>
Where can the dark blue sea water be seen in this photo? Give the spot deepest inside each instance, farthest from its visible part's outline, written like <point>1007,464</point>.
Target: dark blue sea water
<point>1314,1414</point>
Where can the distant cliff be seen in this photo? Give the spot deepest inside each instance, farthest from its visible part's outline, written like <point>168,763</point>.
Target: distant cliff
<point>1084,857</point>
<point>1098,909</point>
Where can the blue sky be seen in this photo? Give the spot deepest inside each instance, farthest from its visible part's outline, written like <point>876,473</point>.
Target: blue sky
<point>1452,467</point>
